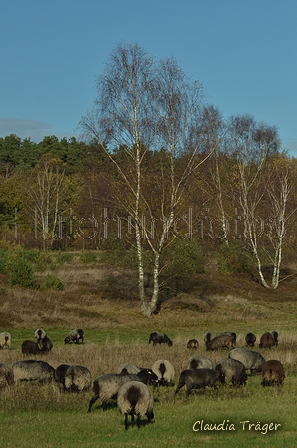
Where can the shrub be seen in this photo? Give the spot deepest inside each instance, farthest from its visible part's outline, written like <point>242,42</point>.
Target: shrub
<point>53,282</point>
<point>233,259</point>
<point>88,257</point>
<point>22,273</point>
<point>3,261</point>
<point>186,258</point>
<point>64,257</point>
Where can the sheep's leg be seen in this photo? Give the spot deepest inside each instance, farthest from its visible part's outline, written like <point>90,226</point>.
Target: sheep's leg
<point>138,421</point>
<point>93,401</point>
<point>126,420</point>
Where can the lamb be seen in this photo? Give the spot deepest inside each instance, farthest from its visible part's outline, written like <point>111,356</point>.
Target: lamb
<point>267,341</point>
<point>159,338</point>
<point>275,336</point>
<point>60,373</point>
<point>128,368</point>
<point>45,345</point>
<point>272,373</point>
<point>106,386</point>
<point>39,334</point>
<point>30,348</point>
<point>77,378</point>
<point>31,370</point>
<point>5,340</point>
<point>193,343</point>
<point>251,360</point>
<point>200,362</point>
<point>6,377</point>
<point>164,371</point>
<point>222,341</point>
<point>135,398</point>
<point>75,336</point>
<point>199,378</point>
<point>233,371</point>
<point>250,339</point>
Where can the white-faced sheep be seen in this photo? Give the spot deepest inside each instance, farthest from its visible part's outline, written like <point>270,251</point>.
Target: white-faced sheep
<point>251,360</point>
<point>75,336</point>
<point>39,334</point>
<point>6,377</point>
<point>135,399</point>
<point>233,370</point>
<point>199,378</point>
<point>250,339</point>
<point>31,370</point>
<point>77,378</point>
<point>272,373</point>
<point>200,362</point>
<point>46,344</point>
<point>5,340</point>
<point>106,386</point>
<point>193,343</point>
<point>164,371</point>
<point>30,348</point>
<point>156,337</point>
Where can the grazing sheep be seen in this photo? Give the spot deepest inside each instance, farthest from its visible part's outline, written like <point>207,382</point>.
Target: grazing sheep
<point>6,376</point>
<point>208,337</point>
<point>267,341</point>
<point>275,336</point>
<point>39,334</point>
<point>250,339</point>
<point>31,370</point>
<point>200,362</point>
<point>193,343</point>
<point>135,398</point>
<point>199,378</point>
<point>75,336</point>
<point>233,371</point>
<point>106,386</point>
<point>5,340</point>
<point>164,371</point>
<point>45,345</point>
<point>128,368</point>
<point>30,348</point>
<point>272,373</point>
<point>220,342</point>
<point>251,360</point>
<point>77,378</point>
<point>60,373</point>
<point>159,338</point>
<point>233,336</point>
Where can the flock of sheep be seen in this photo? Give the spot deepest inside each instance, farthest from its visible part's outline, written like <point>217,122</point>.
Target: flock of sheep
<point>129,385</point>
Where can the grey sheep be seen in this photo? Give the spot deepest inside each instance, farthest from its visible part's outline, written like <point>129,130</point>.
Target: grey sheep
<point>31,370</point>
<point>60,373</point>
<point>267,341</point>
<point>250,339</point>
<point>128,368</point>
<point>199,378</point>
<point>164,371</point>
<point>75,336</point>
<point>135,399</point>
<point>30,348</point>
<point>45,345</point>
<point>6,376</point>
<point>233,336</point>
<point>233,370</point>
<point>200,362</point>
<point>272,373</point>
<point>77,378</point>
<point>39,334</point>
<point>193,343</point>
<point>106,386</point>
<point>156,337</point>
<point>208,337</point>
<point>251,360</point>
<point>275,336</point>
<point>220,342</point>
<point>5,340</point>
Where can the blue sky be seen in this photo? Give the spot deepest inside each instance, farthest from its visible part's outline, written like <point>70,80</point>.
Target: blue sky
<point>244,53</point>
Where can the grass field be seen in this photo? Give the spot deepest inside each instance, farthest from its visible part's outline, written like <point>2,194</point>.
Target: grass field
<point>34,416</point>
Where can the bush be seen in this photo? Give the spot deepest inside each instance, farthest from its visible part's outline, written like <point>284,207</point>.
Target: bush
<point>233,259</point>
<point>53,282</point>
<point>22,273</point>
<point>3,261</point>
<point>121,257</point>
<point>64,257</point>
<point>88,257</point>
<point>186,258</point>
